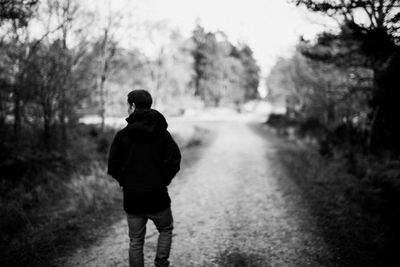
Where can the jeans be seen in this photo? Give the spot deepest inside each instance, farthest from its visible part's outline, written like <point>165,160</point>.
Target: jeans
<point>137,229</point>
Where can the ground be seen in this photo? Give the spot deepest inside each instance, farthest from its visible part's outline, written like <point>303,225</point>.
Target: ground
<point>233,207</point>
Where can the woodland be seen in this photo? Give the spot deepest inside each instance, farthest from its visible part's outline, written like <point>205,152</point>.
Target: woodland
<point>61,62</point>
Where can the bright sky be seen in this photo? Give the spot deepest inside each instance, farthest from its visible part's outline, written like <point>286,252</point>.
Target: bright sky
<point>270,27</point>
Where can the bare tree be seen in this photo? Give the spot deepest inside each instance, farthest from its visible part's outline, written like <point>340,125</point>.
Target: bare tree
<point>107,50</point>
<point>21,53</point>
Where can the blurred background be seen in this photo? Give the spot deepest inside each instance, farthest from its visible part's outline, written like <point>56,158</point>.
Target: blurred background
<point>321,74</point>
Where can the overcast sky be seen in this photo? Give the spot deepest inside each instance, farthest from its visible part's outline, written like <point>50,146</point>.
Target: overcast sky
<point>270,27</point>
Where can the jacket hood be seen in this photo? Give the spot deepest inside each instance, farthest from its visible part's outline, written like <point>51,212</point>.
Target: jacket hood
<point>146,123</point>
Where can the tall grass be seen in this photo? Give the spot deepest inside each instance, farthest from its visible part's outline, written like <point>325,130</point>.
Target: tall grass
<point>47,197</point>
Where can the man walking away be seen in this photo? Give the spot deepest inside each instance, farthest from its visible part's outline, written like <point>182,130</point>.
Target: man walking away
<point>144,159</point>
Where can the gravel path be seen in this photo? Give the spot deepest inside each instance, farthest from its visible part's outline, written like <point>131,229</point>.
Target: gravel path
<point>234,207</point>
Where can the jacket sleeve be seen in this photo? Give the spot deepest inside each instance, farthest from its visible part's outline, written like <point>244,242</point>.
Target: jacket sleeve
<point>172,158</point>
<point>115,161</point>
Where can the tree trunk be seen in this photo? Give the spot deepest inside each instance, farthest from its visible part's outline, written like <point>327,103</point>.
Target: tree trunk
<point>47,116</point>
<point>2,110</point>
<point>63,116</point>
<point>372,130</point>
<point>17,115</point>
<point>102,101</point>
<point>103,78</point>
<point>217,101</point>
<point>46,132</point>
<point>64,86</point>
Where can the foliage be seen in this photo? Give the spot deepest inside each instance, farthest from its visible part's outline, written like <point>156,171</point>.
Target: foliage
<point>314,89</point>
<point>18,11</point>
<point>223,72</point>
<point>251,70</point>
<point>380,15</point>
<point>348,77</point>
<point>42,77</point>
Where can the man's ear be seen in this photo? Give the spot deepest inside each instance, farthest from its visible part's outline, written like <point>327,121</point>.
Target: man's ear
<point>131,108</point>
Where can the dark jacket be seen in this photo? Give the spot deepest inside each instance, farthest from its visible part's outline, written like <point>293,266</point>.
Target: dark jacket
<point>144,159</point>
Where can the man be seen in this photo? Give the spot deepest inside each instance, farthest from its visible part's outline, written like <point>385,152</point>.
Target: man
<point>144,159</point>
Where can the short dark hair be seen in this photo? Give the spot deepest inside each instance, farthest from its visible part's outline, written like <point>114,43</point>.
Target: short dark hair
<point>141,98</point>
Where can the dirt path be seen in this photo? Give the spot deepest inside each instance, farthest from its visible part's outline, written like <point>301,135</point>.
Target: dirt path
<point>230,209</point>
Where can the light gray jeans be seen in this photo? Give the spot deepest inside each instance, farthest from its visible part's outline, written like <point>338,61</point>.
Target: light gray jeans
<point>137,230</point>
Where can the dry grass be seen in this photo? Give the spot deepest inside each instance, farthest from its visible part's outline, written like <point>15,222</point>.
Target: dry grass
<point>45,232</point>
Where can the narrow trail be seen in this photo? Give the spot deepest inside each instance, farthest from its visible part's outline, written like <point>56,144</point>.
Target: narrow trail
<point>230,209</point>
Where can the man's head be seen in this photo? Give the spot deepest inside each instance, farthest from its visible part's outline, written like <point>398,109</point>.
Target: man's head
<point>139,99</point>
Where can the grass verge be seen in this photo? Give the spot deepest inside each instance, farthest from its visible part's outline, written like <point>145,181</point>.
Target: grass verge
<point>355,205</point>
